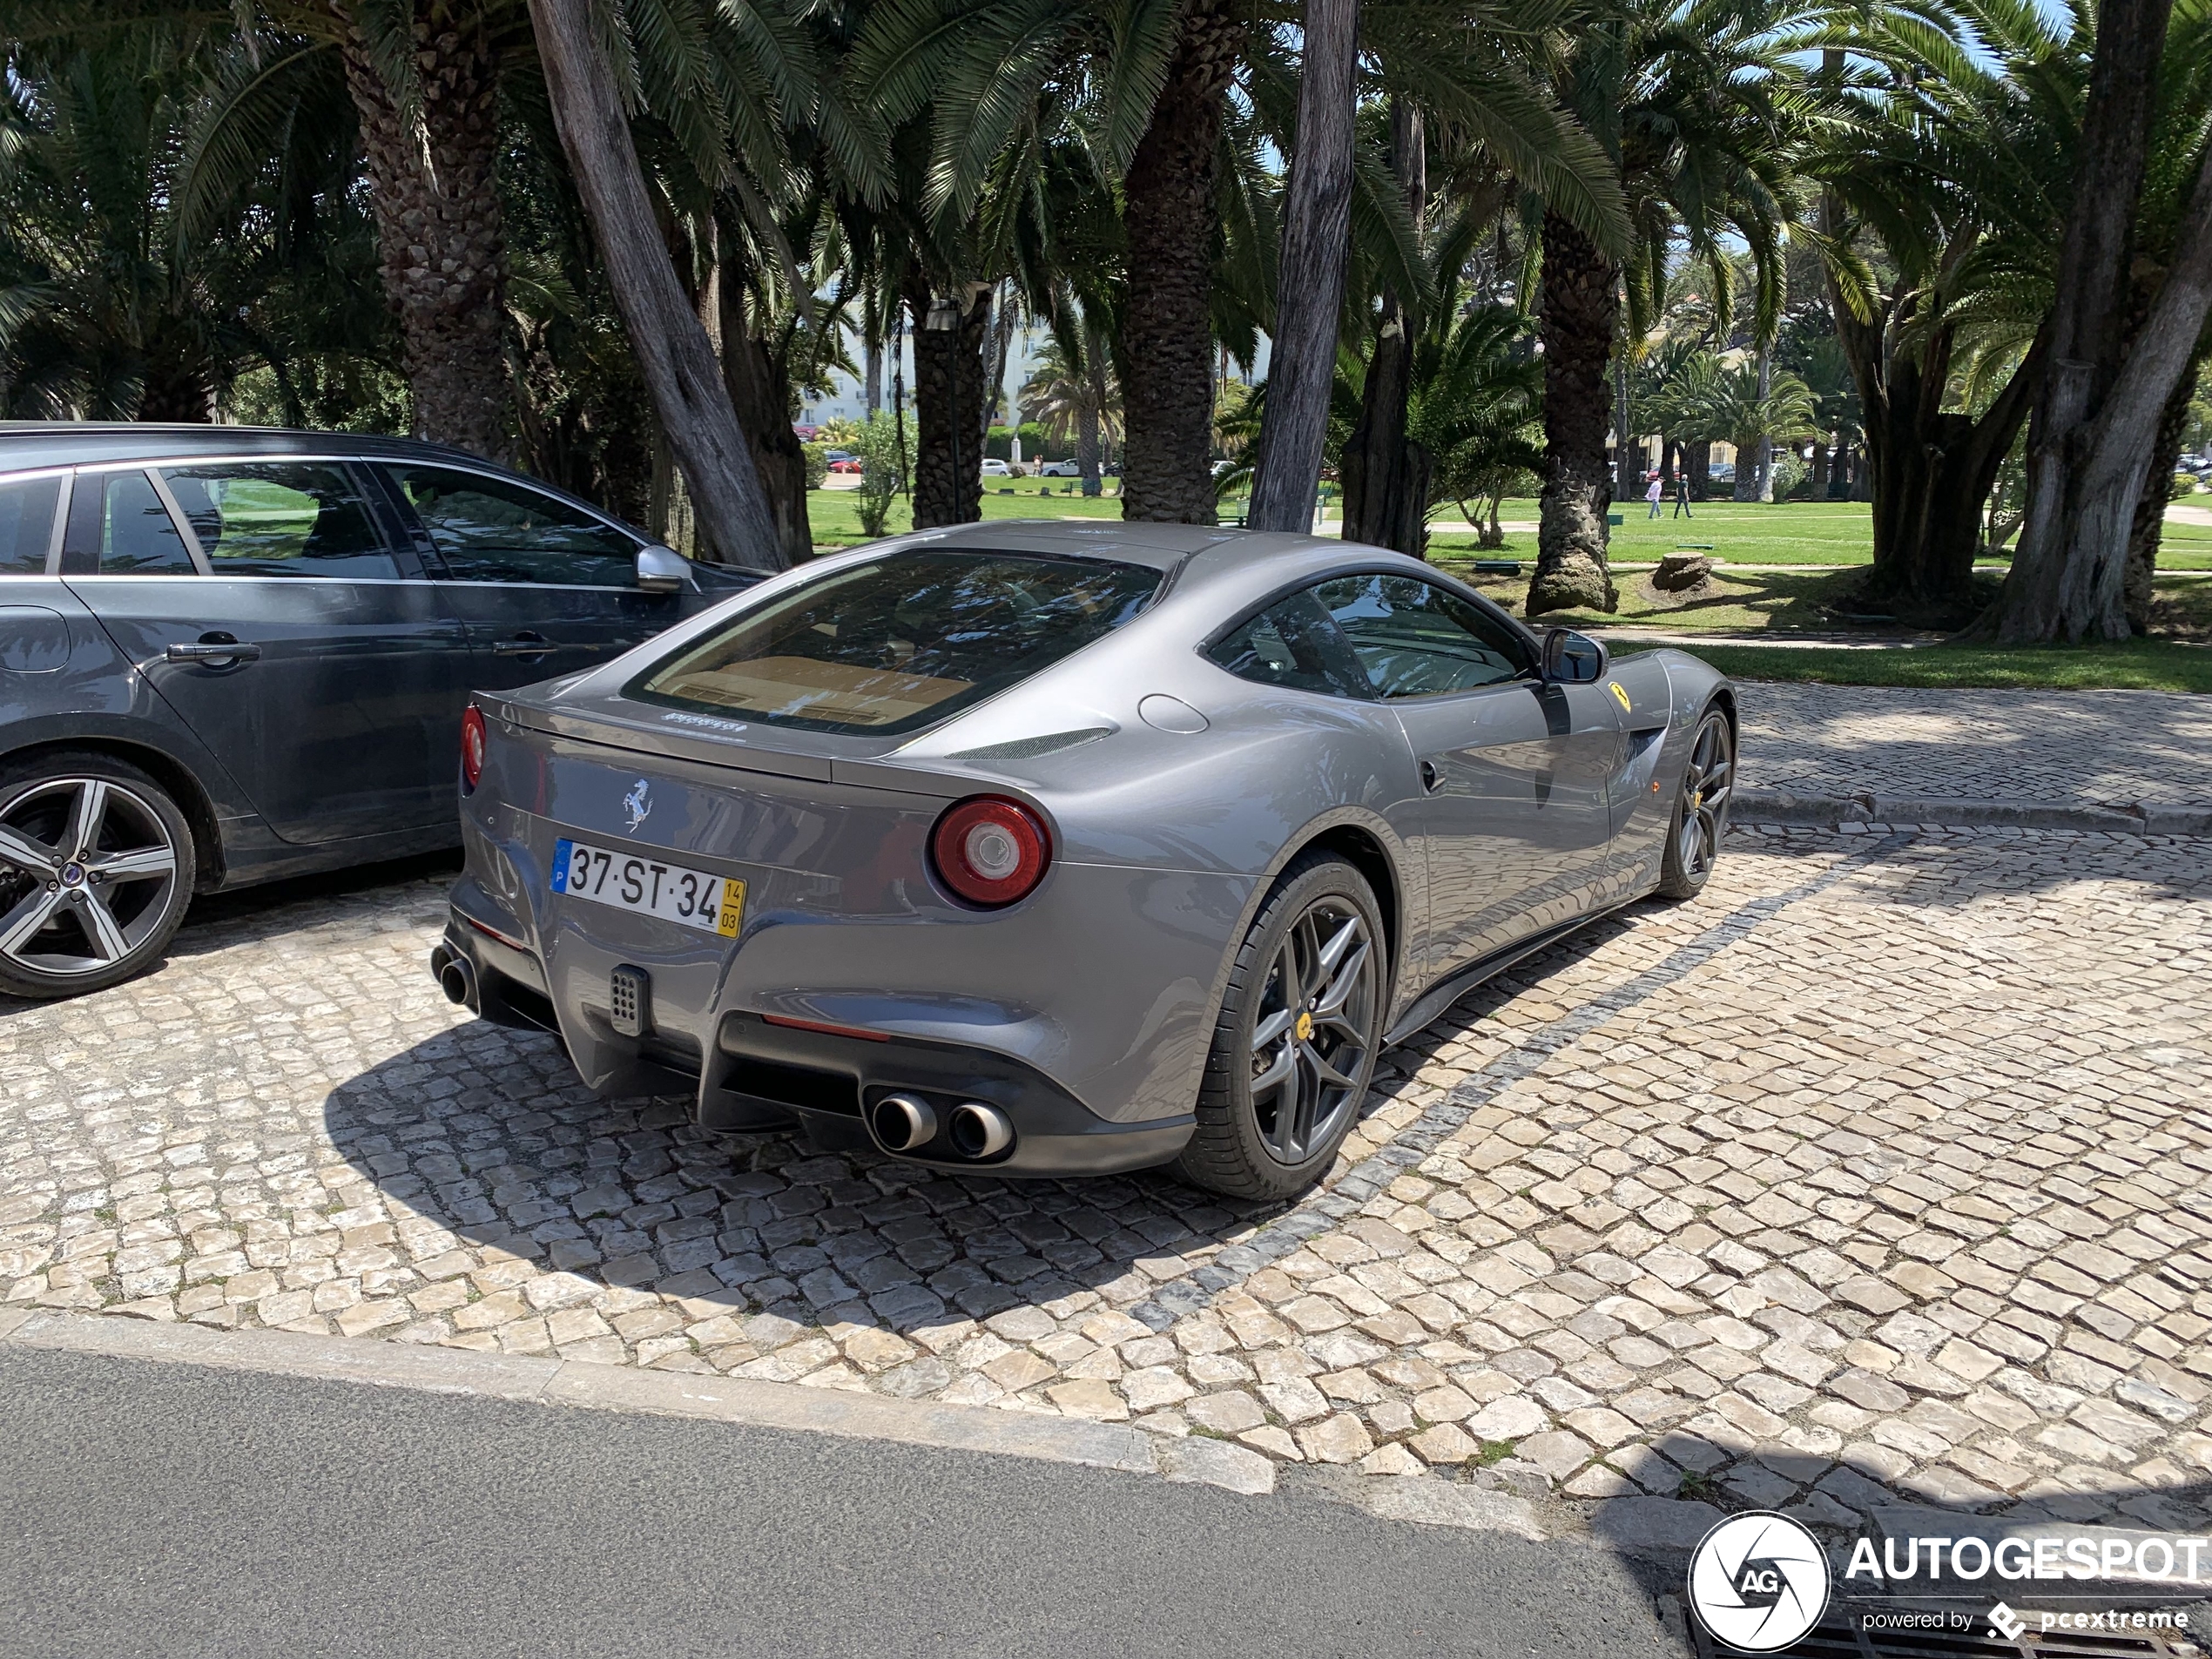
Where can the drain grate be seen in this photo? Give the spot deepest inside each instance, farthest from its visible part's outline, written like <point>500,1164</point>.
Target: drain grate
<point>1836,1637</point>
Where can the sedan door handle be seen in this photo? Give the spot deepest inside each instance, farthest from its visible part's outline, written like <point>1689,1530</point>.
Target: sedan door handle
<point>523,645</point>
<point>214,648</point>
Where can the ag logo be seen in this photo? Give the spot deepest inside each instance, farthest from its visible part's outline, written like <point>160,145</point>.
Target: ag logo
<point>1758,1582</point>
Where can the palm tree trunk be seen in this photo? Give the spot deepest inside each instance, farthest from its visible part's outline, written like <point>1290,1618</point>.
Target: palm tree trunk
<point>1170,217</point>
<point>1697,461</point>
<point>1765,469</point>
<point>2067,574</point>
<point>1581,308</point>
<point>2138,589</point>
<point>673,352</point>
<point>2070,581</point>
<point>948,394</point>
<point>1317,219</point>
<point>1385,474</point>
<point>440,240</point>
<point>758,379</point>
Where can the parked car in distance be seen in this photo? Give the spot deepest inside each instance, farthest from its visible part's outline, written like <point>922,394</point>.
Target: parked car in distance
<point>846,465</point>
<point>996,470</point>
<point>1050,847</point>
<point>231,654</point>
<point>1060,470</point>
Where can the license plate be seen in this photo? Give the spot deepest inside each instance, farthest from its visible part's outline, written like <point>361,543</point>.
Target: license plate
<point>714,904</point>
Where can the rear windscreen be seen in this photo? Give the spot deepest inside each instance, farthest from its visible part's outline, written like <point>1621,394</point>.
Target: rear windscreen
<point>900,642</point>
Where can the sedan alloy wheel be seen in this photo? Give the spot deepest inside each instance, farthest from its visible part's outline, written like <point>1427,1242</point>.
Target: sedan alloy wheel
<point>91,879</point>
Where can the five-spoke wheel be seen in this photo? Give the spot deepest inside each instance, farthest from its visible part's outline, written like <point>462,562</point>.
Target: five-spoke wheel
<point>1701,811</point>
<point>95,871</point>
<point>1296,1042</point>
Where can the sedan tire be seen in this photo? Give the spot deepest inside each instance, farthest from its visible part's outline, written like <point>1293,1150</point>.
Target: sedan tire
<point>1701,809</point>
<point>96,870</point>
<point>1294,1046</point>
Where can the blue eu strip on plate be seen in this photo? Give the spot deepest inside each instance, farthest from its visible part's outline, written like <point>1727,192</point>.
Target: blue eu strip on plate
<point>561,865</point>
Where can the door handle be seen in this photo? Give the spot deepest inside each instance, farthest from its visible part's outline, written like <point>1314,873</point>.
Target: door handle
<point>523,645</point>
<point>214,648</point>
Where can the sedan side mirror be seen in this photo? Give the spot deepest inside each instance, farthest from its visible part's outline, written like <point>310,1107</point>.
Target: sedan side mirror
<point>663,569</point>
<point>1573,659</point>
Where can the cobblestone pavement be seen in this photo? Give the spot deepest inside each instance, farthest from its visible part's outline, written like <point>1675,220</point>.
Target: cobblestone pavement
<point>1881,1170</point>
<point>2086,748</point>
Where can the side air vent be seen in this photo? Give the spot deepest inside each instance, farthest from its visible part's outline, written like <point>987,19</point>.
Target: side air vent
<point>1030,748</point>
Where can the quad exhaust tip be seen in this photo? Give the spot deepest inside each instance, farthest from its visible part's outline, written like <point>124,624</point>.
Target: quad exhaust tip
<point>904,1122</point>
<point>979,1132</point>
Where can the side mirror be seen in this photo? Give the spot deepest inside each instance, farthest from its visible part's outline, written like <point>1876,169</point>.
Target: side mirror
<point>1573,659</point>
<point>663,569</point>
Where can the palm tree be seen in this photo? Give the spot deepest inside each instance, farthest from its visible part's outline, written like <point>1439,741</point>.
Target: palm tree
<point>127,290</point>
<point>1177,109</point>
<point>2125,332</point>
<point>1692,101</point>
<point>1476,413</point>
<point>1066,396</point>
<point>1711,401</point>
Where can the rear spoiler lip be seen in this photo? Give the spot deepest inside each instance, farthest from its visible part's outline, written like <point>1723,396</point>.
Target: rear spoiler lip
<point>732,754</point>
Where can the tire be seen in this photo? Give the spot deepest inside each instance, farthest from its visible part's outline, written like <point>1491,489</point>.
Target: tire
<point>1319,927</point>
<point>1700,818</point>
<point>132,864</point>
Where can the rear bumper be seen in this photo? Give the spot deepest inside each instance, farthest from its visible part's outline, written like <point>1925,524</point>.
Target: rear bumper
<point>760,1072</point>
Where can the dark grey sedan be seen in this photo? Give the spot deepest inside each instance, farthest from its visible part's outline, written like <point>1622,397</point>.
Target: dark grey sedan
<point>228,655</point>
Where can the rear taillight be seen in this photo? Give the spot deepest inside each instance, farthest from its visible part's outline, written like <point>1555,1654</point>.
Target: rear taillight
<point>472,747</point>
<point>990,850</point>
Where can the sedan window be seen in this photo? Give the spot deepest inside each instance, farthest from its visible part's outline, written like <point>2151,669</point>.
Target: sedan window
<point>27,525</point>
<point>1414,640</point>
<point>488,530</point>
<point>1293,643</point>
<point>282,518</point>
<point>897,643</point>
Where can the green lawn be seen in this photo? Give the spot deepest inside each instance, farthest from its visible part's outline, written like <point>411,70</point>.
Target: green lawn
<point>2140,665</point>
<point>835,515</point>
<point>1734,532</point>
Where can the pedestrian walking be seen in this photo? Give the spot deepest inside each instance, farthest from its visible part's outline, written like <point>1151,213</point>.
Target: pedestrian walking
<point>1682,494</point>
<point>1653,493</point>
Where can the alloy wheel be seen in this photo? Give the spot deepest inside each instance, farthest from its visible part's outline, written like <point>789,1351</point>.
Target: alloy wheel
<point>88,871</point>
<point>1707,783</point>
<point>1319,1008</point>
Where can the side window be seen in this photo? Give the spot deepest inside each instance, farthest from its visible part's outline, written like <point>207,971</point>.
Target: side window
<point>27,525</point>
<point>1292,643</point>
<point>119,526</point>
<point>300,518</point>
<point>490,530</point>
<point>1414,640</point>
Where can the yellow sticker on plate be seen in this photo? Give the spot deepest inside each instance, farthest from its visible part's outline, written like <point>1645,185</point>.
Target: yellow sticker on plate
<point>1619,695</point>
<point>732,916</point>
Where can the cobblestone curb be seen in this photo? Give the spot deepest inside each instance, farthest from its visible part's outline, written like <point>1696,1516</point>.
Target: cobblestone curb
<point>547,1381</point>
<point>1835,811</point>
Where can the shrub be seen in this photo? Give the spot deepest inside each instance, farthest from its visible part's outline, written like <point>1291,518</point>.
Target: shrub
<point>816,462</point>
<point>883,470</point>
<point>2184,485</point>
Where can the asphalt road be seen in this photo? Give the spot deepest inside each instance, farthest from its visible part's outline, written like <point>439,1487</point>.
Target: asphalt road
<point>160,1509</point>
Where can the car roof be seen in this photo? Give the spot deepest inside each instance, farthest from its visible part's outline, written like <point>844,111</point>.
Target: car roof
<point>28,446</point>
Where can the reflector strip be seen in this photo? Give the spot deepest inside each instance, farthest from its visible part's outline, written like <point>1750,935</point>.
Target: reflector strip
<point>832,1030</point>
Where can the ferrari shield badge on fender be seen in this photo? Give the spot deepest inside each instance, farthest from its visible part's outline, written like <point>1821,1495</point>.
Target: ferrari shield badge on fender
<point>1619,694</point>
